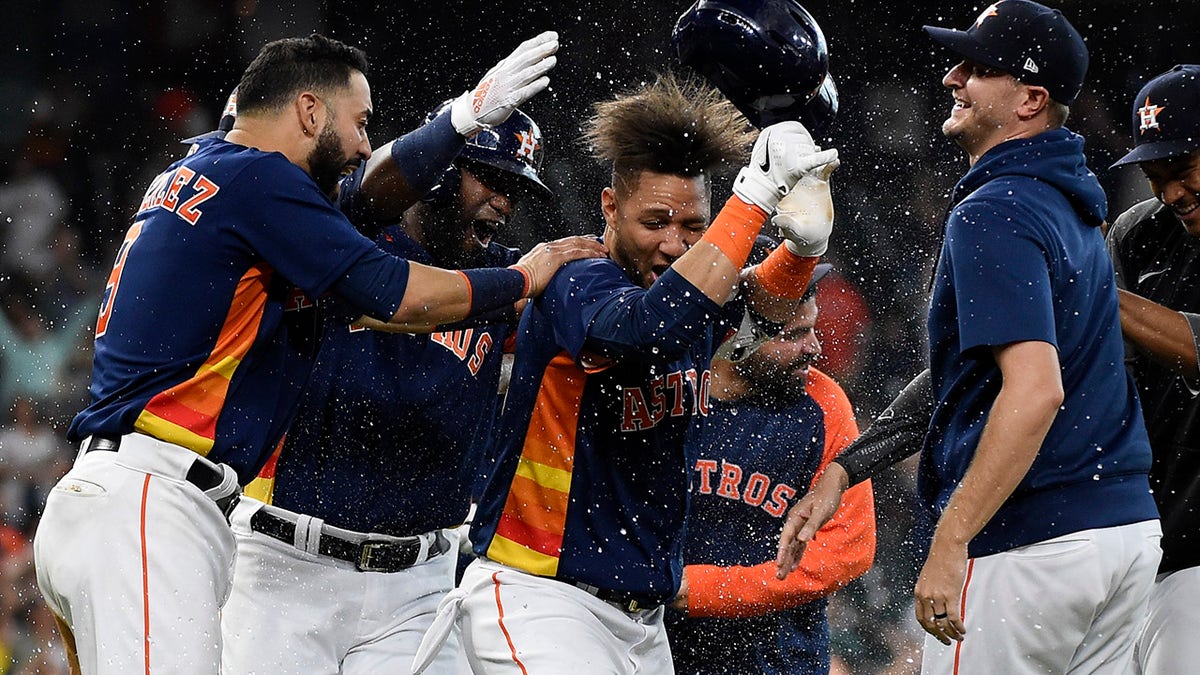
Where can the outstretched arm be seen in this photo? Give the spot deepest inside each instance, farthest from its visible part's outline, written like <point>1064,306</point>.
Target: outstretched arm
<point>1166,336</point>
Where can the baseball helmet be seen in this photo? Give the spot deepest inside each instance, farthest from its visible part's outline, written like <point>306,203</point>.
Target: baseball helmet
<point>768,57</point>
<point>514,147</point>
<point>228,117</point>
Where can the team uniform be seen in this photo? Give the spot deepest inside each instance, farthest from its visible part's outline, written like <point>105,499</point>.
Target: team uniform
<point>579,527</point>
<point>1156,258</point>
<point>196,374</point>
<point>385,449</point>
<point>755,457</point>
<point>1058,579</point>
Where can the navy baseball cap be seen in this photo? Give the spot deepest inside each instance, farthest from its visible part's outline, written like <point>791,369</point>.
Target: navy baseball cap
<point>1031,42</point>
<point>1166,116</point>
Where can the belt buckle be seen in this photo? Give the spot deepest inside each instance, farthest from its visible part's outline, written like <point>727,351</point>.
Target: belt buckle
<point>364,557</point>
<point>631,606</point>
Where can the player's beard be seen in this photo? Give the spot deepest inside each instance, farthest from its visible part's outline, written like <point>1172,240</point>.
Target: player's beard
<point>446,237</point>
<point>326,162</point>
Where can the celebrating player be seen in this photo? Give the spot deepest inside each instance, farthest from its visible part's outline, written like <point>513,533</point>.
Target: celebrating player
<point>776,423</point>
<point>1036,457</point>
<point>197,369</point>
<point>579,528</point>
<point>376,470</point>
<point>1154,247</point>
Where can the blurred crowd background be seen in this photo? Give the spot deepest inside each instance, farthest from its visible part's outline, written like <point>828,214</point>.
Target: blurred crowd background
<point>94,97</point>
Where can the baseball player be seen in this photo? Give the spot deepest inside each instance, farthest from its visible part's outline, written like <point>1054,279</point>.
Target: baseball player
<point>1155,247</point>
<point>1036,456</point>
<point>196,367</point>
<point>579,528</point>
<point>775,423</point>
<point>375,473</point>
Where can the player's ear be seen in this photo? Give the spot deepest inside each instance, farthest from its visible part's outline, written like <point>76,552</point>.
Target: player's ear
<point>1035,101</point>
<point>608,206</point>
<point>309,111</point>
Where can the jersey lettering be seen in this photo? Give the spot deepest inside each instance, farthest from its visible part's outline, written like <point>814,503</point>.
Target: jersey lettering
<point>731,475</point>
<point>459,343</point>
<point>114,279</point>
<point>705,467</point>
<point>779,499</point>
<point>755,491</point>
<point>481,351</point>
<point>644,407</point>
<point>165,188</point>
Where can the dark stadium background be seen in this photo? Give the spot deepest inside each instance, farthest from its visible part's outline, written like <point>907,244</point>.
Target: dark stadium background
<point>95,94</point>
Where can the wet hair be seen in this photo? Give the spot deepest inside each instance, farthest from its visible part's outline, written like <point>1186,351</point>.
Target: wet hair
<point>286,67</point>
<point>675,126</point>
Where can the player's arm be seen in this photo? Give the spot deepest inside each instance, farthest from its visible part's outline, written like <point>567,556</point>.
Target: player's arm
<point>1166,336</point>
<point>895,435</point>
<point>402,171</point>
<point>844,549</point>
<point>1031,392</point>
<point>668,317</point>
<point>430,297</point>
<point>784,160</point>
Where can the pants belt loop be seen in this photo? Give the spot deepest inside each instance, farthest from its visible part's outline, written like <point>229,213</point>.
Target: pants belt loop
<point>426,547</point>
<point>308,534</point>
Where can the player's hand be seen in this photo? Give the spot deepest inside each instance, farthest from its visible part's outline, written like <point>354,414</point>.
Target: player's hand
<point>516,79</point>
<point>939,588</point>
<point>543,260</point>
<point>805,214</point>
<point>783,153</point>
<point>808,516</point>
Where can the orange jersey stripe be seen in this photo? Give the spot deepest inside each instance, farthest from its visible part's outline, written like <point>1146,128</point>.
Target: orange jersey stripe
<point>192,406</point>
<point>546,543</point>
<point>535,512</point>
<point>535,505</point>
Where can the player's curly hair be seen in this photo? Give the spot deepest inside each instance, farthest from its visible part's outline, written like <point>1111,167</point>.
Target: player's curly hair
<point>284,68</point>
<point>675,125</point>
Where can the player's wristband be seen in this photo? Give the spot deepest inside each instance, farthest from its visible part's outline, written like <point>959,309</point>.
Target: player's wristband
<point>734,229</point>
<point>490,289</point>
<point>785,274</point>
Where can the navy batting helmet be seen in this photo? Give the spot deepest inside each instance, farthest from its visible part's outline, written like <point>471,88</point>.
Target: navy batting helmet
<point>768,57</point>
<point>513,146</point>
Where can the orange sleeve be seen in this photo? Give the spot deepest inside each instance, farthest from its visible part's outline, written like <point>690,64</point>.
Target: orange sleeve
<point>841,552</point>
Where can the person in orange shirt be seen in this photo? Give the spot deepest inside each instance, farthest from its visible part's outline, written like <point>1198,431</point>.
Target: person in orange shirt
<point>775,423</point>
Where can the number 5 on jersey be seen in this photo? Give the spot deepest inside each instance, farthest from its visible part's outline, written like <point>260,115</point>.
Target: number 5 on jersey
<point>114,278</point>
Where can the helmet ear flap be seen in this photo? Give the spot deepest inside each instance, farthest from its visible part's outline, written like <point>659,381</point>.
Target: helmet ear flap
<point>447,188</point>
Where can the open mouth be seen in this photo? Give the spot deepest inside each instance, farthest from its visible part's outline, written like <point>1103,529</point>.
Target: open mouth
<point>960,104</point>
<point>1184,211</point>
<point>485,230</point>
<point>657,271</point>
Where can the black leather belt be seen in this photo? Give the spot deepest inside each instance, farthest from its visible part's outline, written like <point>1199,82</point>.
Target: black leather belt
<point>371,555</point>
<point>202,474</point>
<point>628,602</point>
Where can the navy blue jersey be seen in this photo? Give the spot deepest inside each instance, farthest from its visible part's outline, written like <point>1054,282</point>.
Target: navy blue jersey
<point>390,429</point>
<point>592,469</point>
<point>1024,260</point>
<point>756,458</point>
<point>192,343</point>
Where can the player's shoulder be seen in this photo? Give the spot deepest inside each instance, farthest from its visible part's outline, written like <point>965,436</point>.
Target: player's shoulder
<point>220,158</point>
<point>497,255</point>
<point>828,394</point>
<point>1133,218</point>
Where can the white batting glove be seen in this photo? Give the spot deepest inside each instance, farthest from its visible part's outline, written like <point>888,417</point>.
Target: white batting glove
<point>782,153</point>
<point>513,81</point>
<point>805,215</point>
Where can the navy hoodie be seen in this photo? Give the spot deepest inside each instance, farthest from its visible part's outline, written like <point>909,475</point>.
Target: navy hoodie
<point>1023,260</point>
